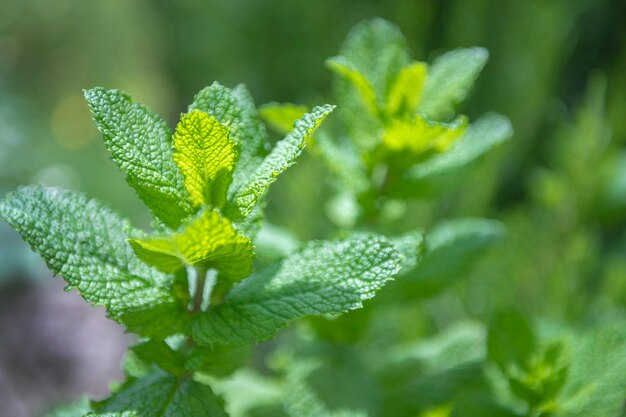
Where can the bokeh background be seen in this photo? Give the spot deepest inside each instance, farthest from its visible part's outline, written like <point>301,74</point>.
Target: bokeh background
<point>557,69</point>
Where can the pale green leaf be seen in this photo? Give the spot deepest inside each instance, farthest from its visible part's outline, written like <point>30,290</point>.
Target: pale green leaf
<point>282,116</point>
<point>206,156</point>
<point>86,243</point>
<point>282,156</point>
<point>162,395</point>
<point>453,246</point>
<point>406,91</point>
<point>480,137</point>
<point>377,49</point>
<point>140,145</point>
<point>362,85</point>
<point>417,134</point>
<point>325,277</point>
<point>450,80</point>
<point>209,240</point>
<point>235,109</point>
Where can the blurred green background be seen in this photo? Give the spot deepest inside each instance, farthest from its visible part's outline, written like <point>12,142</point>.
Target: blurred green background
<point>557,69</point>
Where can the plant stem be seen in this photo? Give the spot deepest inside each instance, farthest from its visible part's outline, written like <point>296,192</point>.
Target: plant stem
<point>201,273</point>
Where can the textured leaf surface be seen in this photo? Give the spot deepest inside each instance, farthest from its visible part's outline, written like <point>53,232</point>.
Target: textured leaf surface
<point>480,137</point>
<point>162,395</point>
<point>86,243</point>
<point>140,145</point>
<point>450,80</point>
<point>325,277</point>
<point>235,109</point>
<point>406,91</point>
<point>282,116</point>
<point>418,135</point>
<point>206,157</point>
<point>280,158</point>
<point>209,240</point>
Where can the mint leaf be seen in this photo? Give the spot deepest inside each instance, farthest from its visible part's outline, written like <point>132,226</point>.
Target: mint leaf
<point>450,80</point>
<point>597,376</point>
<point>140,145</point>
<point>206,157</point>
<point>406,91</point>
<point>479,138</point>
<point>377,49</point>
<point>453,246</point>
<point>208,240</point>
<point>511,341</point>
<point>282,116</point>
<point>361,84</point>
<point>324,277</point>
<point>86,243</point>
<point>280,158</point>
<point>234,108</point>
<point>218,361</point>
<point>159,353</point>
<point>417,135</point>
<point>374,51</point>
<point>162,395</point>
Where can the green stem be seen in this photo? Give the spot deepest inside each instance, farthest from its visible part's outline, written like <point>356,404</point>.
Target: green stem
<point>201,272</point>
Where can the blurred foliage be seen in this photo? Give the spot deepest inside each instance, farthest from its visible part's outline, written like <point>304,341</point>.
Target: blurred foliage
<point>548,268</point>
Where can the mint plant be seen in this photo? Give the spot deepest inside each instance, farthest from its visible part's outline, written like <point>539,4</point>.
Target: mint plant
<point>189,289</point>
<point>212,279</point>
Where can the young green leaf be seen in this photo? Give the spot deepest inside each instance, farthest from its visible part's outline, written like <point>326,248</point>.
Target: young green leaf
<point>140,145</point>
<point>377,49</point>
<point>406,91</point>
<point>163,395</point>
<point>209,240</point>
<point>280,158</point>
<point>234,108</point>
<point>325,277</point>
<point>281,117</point>
<point>206,156</point>
<point>86,243</point>
<point>450,80</point>
<point>480,137</point>
<point>365,89</point>
<point>417,134</point>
